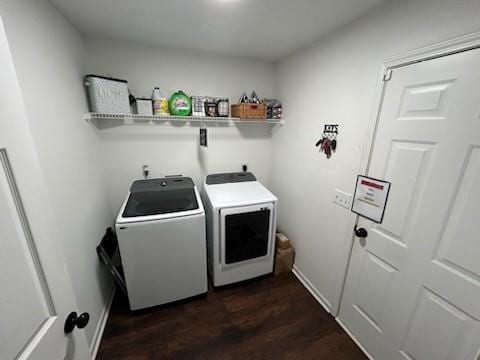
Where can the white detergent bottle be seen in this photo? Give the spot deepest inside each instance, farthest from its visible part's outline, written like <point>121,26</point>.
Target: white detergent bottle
<point>160,103</point>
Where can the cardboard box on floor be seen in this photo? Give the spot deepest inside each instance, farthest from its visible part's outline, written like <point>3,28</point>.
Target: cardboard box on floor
<point>284,255</point>
<point>282,242</point>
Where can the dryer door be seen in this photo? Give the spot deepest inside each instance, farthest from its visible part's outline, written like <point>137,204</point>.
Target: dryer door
<point>246,233</point>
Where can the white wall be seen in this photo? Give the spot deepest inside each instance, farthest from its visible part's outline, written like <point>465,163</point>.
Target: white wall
<point>333,81</point>
<point>48,55</point>
<point>175,149</point>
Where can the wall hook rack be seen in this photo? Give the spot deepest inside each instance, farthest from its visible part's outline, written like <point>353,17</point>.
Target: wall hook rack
<point>328,141</point>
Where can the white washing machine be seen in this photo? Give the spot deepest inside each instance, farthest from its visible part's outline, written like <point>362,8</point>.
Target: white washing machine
<point>241,223</point>
<point>161,237</point>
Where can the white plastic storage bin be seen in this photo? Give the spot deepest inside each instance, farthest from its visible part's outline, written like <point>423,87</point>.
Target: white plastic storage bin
<point>144,106</point>
<point>107,95</point>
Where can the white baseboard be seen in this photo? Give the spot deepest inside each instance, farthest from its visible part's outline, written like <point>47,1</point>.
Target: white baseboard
<point>311,289</point>
<point>367,354</point>
<point>97,336</point>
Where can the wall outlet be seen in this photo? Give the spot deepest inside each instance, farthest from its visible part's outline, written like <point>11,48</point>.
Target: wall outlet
<point>342,198</point>
<point>145,171</point>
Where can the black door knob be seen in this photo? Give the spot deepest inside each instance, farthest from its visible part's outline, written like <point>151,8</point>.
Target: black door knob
<point>361,232</point>
<point>74,320</point>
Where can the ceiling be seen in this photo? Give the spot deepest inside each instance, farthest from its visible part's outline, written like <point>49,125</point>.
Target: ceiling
<point>264,29</point>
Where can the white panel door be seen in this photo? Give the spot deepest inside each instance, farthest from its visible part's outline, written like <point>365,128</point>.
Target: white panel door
<point>413,285</point>
<point>35,293</point>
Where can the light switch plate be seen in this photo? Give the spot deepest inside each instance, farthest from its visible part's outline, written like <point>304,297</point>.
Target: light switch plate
<point>342,198</point>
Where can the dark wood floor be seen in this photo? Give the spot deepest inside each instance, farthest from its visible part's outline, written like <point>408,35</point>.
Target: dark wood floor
<point>269,318</point>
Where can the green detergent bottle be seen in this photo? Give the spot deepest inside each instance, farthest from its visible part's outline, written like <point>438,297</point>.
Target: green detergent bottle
<point>180,104</point>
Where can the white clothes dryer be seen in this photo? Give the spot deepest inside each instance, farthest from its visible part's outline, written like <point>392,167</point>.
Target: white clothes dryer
<point>241,222</point>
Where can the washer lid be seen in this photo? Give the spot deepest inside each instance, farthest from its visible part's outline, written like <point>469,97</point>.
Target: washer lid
<point>145,203</point>
<point>162,184</point>
<point>156,199</point>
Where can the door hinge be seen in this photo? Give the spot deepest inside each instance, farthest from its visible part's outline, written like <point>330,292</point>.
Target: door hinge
<point>387,76</point>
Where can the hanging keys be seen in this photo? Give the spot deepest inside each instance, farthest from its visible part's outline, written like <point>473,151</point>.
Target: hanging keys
<point>327,147</point>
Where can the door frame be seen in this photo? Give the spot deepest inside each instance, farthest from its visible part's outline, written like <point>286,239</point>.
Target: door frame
<point>447,47</point>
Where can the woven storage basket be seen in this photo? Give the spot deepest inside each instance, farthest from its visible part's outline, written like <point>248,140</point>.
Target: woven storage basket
<point>249,111</point>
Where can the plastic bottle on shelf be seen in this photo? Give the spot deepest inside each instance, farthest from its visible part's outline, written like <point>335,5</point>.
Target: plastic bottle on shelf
<point>180,104</point>
<point>160,102</point>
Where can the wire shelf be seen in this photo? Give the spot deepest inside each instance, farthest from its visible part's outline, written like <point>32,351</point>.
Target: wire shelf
<point>134,119</point>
